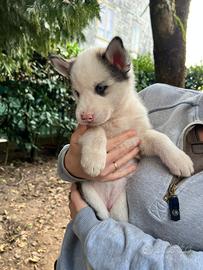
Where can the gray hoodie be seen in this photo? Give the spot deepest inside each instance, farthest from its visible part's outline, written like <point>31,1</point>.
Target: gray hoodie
<point>151,239</point>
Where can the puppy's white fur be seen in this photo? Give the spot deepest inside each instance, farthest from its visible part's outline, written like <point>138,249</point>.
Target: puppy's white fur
<point>118,110</point>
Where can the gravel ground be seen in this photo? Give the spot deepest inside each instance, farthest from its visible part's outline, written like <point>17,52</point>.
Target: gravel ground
<point>33,215</point>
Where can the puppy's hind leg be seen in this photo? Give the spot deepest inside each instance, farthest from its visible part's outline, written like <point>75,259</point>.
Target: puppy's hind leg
<point>119,210</point>
<point>93,199</point>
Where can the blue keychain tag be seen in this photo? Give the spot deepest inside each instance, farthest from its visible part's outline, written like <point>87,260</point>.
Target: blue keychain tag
<point>174,208</point>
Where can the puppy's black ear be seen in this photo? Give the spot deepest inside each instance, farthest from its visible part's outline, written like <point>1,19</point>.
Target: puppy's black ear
<point>117,55</point>
<point>61,65</point>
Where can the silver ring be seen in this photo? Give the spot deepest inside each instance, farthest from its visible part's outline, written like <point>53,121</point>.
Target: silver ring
<point>115,165</point>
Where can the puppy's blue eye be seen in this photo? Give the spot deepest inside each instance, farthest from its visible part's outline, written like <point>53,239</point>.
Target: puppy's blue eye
<point>100,89</point>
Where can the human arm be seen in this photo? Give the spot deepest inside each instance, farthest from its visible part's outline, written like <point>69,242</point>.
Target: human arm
<point>69,166</point>
<point>110,245</point>
<point>125,246</point>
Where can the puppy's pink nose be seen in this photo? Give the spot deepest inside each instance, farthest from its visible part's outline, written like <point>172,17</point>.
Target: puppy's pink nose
<point>89,117</point>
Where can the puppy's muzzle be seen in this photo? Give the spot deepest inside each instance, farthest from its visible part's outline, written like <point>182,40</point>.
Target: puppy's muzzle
<point>88,117</point>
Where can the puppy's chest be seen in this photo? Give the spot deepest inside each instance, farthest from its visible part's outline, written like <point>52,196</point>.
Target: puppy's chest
<point>116,127</point>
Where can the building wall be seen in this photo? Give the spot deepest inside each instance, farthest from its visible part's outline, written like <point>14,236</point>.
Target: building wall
<point>128,19</point>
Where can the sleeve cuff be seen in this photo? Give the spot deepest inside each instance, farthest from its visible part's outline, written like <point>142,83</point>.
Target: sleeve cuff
<point>84,221</point>
<point>62,171</point>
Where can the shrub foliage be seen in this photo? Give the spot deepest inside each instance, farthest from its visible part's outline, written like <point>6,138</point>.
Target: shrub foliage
<point>194,78</point>
<point>36,104</point>
<point>144,71</point>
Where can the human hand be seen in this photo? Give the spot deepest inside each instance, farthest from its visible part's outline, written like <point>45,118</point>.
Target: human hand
<point>118,156</point>
<point>76,203</point>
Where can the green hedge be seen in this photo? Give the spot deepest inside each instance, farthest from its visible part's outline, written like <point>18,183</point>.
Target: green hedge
<point>36,105</point>
<point>194,78</point>
<point>144,71</point>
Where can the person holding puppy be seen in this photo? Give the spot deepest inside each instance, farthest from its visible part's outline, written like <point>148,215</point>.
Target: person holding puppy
<point>165,228</point>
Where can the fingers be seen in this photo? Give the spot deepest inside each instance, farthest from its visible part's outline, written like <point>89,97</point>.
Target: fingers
<point>75,195</point>
<point>73,188</point>
<point>123,171</point>
<point>115,153</point>
<point>117,140</point>
<point>127,155</point>
<point>76,202</point>
<point>120,151</point>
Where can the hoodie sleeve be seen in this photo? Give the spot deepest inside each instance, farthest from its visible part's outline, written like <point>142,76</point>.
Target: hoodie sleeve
<point>116,245</point>
<point>62,172</point>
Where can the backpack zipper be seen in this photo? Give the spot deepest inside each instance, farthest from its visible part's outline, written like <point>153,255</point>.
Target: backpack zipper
<point>172,188</point>
<point>172,199</point>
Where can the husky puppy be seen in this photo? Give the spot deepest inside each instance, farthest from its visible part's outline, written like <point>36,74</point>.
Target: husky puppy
<point>104,88</point>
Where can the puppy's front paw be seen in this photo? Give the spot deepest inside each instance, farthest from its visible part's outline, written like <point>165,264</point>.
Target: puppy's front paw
<point>93,162</point>
<point>180,164</point>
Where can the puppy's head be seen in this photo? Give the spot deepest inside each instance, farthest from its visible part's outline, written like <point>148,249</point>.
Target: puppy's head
<point>101,80</point>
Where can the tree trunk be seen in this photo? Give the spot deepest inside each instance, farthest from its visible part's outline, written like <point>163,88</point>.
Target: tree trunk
<point>169,24</point>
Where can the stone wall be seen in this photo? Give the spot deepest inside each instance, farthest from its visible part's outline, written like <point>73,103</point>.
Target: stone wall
<point>128,19</point>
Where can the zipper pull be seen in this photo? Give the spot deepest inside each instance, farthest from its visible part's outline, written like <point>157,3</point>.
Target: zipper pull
<point>174,209</point>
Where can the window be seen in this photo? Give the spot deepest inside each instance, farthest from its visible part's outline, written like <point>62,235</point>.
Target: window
<point>135,37</point>
<point>105,27</point>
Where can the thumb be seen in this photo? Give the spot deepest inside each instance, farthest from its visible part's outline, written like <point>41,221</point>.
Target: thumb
<point>79,131</point>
